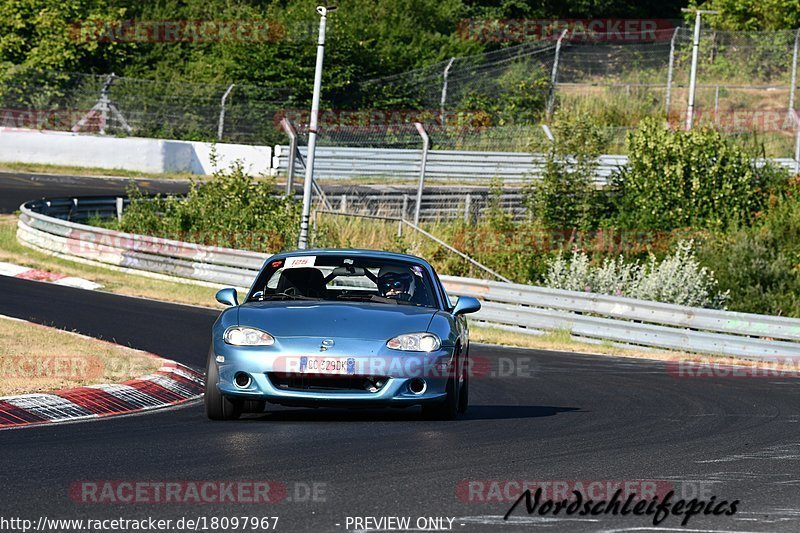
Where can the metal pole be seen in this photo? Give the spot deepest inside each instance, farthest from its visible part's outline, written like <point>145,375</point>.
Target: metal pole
<point>551,97</point>
<point>312,128</point>
<point>695,52</point>
<point>444,88</point>
<point>467,208</point>
<point>405,207</point>
<point>796,142</point>
<point>289,129</point>
<point>669,70</point>
<point>794,70</point>
<point>222,112</point>
<point>425,143</point>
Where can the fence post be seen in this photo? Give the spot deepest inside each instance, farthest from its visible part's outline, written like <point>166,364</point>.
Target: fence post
<point>343,204</point>
<point>444,88</point>
<point>425,143</point>
<point>405,207</point>
<point>290,131</point>
<point>716,101</point>
<point>669,70</point>
<point>551,97</point>
<point>467,208</point>
<point>221,124</point>
<point>794,71</point>
<point>695,53</point>
<point>120,204</point>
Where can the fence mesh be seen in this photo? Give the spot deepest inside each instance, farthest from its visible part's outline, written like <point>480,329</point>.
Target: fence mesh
<point>491,101</point>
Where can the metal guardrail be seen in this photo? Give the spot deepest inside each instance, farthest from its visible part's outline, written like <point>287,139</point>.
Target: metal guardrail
<point>517,307</point>
<point>339,162</point>
<point>334,162</point>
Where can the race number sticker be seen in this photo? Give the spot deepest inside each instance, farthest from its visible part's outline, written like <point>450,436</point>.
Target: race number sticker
<point>300,262</point>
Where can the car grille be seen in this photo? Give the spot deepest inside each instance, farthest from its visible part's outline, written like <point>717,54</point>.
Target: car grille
<point>335,383</point>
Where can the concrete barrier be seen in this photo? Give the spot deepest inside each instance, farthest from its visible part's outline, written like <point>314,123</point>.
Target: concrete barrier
<point>128,153</point>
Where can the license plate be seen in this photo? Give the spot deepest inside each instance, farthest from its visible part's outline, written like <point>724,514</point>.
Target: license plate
<point>327,365</point>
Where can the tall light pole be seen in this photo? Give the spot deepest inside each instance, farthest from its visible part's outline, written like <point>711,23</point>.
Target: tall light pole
<point>695,50</point>
<point>312,127</point>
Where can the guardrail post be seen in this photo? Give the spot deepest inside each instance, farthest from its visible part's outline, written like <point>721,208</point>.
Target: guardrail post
<point>669,70</point>
<point>551,97</point>
<point>425,143</point>
<point>221,124</point>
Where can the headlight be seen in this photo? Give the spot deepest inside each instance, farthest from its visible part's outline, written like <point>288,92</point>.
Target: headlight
<point>244,336</point>
<point>415,342</point>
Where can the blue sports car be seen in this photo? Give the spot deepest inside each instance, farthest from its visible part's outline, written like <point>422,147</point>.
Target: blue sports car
<point>343,328</point>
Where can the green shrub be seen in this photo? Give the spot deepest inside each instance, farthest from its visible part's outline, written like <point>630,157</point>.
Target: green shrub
<point>686,179</point>
<point>228,210</point>
<point>760,265</point>
<point>564,196</point>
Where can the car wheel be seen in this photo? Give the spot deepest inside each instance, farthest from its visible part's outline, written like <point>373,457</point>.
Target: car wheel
<point>463,394</point>
<point>448,409</point>
<point>218,407</point>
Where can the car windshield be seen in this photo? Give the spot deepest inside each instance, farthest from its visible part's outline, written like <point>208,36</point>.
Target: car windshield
<point>345,278</point>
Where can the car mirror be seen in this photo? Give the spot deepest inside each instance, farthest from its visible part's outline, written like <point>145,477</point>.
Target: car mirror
<point>227,296</point>
<point>466,304</point>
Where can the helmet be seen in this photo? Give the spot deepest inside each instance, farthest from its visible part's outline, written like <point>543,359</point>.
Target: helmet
<point>396,282</point>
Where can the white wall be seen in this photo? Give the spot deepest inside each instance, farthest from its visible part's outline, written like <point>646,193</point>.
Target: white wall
<point>126,153</point>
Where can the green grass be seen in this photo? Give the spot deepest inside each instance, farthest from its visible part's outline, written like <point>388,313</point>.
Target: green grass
<point>91,171</point>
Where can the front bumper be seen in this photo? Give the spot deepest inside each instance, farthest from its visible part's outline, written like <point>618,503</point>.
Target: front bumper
<point>275,377</point>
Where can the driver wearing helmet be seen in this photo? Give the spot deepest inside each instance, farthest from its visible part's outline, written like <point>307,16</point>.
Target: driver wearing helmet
<point>396,282</point>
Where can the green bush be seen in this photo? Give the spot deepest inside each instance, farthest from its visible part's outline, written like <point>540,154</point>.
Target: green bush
<point>760,265</point>
<point>687,179</point>
<point>564,196</point>
<point>228,210</point>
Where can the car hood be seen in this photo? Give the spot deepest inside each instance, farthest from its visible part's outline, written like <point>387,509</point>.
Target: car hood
<point>352,320</point>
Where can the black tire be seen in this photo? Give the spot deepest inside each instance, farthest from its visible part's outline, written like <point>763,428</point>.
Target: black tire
<point>447,409</point>
<point>463,394</point>
<point>218,407</point>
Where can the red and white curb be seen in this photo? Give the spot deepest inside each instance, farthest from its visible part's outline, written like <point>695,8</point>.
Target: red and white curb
<point>172,384</point>
<point>23,272</point>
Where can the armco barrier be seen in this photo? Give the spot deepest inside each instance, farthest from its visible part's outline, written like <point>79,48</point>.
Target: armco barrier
<point>341,162</point>
<point>521,308</point>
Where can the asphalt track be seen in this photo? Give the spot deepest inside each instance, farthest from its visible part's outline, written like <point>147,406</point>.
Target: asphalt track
<point>16,187</point>
<point>537,416</point>
<point>572,417</point>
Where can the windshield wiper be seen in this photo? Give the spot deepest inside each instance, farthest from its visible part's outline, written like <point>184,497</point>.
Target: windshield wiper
<point>284,296</point>
<point>367,298</point>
